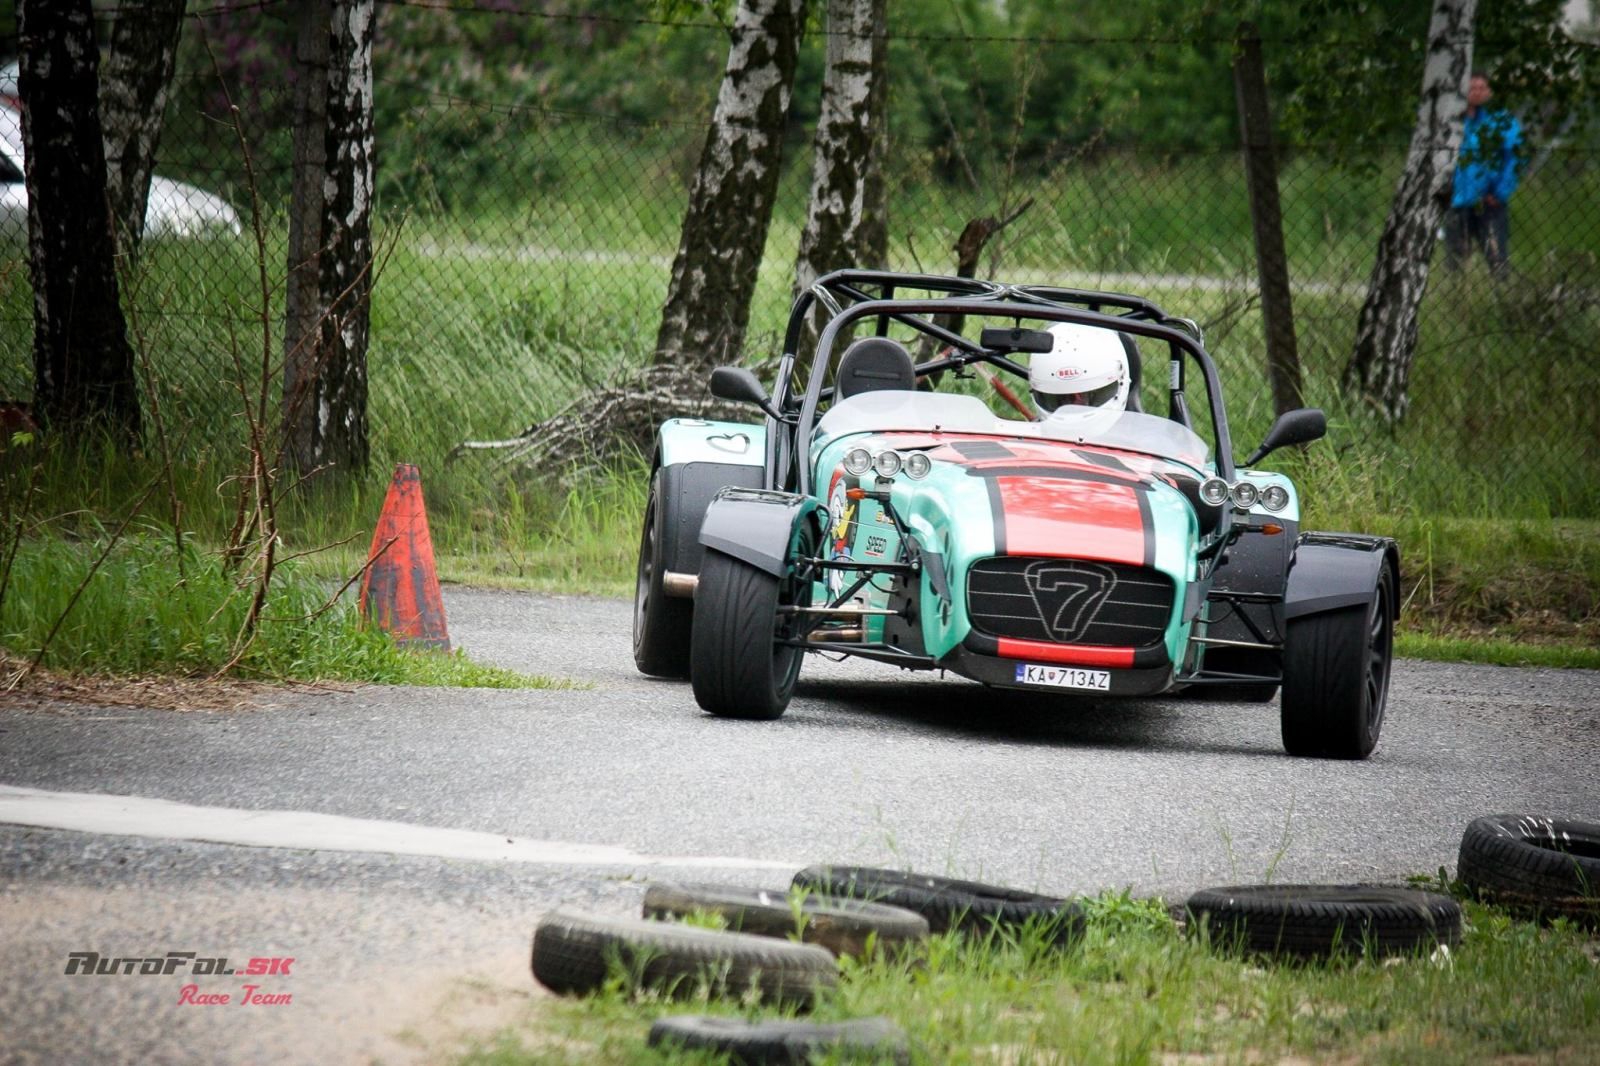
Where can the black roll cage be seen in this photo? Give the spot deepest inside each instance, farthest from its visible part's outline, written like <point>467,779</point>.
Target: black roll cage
<point>843,294</point>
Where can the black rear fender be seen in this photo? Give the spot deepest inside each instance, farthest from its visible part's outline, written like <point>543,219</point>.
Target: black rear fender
<point>758,526</point>
<point>1334,571</point>
<point>686,491</point>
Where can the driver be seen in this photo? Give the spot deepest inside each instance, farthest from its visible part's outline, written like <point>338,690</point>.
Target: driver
<point>1086,367</point>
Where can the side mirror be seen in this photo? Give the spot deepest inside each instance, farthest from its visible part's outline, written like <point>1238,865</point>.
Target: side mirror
<point>738,384</point>
<point>1300,426</point>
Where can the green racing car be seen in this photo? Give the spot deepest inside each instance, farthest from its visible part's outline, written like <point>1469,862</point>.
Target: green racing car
<point>1072,543</point>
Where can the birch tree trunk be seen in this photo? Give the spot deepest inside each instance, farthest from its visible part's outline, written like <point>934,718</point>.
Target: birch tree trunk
<point>134,84</point>
<point>730,203</point>
<point>302,285</point>
<point>1379,369</point>
<point>83,365</point>
<point>844,227</point>
<point>330,255</point>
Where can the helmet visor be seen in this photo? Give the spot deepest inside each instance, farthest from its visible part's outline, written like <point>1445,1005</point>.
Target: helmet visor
<point>1051,401</point>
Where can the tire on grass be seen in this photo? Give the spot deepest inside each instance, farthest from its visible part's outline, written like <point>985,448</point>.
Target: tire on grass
<point>738,667</point>
<point>843,926</point>
<point>947,903</point>
<point>1549,867</point>
<point>574,952</point>
<point>783,1042</point>
<point>1324,920</point>
<point>1336,677</point>
<point>661,624</point>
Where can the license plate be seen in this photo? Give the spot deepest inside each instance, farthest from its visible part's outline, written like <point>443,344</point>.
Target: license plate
<point>1064,677</point>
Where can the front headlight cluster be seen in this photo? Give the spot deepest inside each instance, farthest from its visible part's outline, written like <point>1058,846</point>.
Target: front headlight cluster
<point>888,463</point>
<point>1244,494</point>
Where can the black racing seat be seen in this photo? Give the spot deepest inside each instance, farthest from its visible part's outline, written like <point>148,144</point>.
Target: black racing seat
<point>874,363</point>
<point>1135,372</point>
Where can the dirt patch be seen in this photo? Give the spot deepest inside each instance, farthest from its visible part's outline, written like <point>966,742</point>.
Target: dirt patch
<point>48,690</point>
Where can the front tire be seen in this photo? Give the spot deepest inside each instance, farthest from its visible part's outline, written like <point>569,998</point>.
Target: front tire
<point>661,624</point>
<point>1336,677</point>
<point>739,668</point>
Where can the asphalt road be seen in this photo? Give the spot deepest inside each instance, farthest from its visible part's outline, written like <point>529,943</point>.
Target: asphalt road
<point>402,957</point>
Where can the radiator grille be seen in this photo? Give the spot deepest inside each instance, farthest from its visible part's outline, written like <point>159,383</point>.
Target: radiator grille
<point>1069,601</point>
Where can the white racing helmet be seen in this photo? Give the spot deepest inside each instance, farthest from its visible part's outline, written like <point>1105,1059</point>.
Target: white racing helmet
<point>1086,367</point>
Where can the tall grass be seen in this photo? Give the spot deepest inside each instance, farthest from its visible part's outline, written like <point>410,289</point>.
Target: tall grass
<point>152,607</point>
<point>479,344</point>
<point>510,292</point>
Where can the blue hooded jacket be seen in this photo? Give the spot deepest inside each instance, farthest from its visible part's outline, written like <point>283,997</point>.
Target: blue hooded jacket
<point>1478,172</point>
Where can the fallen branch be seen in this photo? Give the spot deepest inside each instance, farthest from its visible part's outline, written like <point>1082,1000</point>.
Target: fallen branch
<point>614,424</point>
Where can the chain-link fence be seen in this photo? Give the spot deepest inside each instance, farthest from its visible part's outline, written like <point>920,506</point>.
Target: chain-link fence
<point>524,254</point>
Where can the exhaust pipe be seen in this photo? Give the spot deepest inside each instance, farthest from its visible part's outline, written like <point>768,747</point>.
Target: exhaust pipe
<point>837,636</point>
<point>681,586</point>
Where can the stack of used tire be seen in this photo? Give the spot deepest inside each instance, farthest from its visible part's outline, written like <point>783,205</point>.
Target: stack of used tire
<point>834,910</point>
<point>1534,865</point>
<point>782,947</point>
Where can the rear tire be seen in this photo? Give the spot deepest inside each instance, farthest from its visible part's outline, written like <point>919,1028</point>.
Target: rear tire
<point>1336,677</point>
<point>661,624</point>
<point>738,667</point>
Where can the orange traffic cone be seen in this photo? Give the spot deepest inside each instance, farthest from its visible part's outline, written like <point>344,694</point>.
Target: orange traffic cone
<point>400,591</point>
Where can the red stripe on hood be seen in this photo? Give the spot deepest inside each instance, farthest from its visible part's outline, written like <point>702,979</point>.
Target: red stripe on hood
<point>1070,518</point>
<point>1072,508</point>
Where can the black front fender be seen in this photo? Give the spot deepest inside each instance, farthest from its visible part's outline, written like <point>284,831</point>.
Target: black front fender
<point>1332,571</point>
<point>757,526</point>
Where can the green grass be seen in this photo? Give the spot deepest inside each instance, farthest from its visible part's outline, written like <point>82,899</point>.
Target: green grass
<point>1446,648</point>
<point>1136,990</point>
<point>151,608</point>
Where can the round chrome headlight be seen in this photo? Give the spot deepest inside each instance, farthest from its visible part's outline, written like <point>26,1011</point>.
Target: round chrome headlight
<point>887,464</point>
<point>1245,495</point>
<point>1214,490</point>
<point>858,461</point>
<point>918,465</point>
<point>1275,497</point>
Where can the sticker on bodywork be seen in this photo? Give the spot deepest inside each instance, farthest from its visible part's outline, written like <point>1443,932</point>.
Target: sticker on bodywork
<point>841,527</point>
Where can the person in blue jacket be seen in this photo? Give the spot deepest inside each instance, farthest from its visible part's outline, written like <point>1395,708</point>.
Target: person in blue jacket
<point>1486,176</point>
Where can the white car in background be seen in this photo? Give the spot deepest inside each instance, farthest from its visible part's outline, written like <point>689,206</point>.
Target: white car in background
<point>173,210</point>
